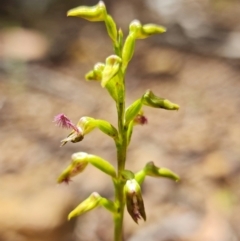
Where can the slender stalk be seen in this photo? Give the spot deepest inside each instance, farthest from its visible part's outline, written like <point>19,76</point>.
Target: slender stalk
<point>118,217</point>
<point>121,159</point>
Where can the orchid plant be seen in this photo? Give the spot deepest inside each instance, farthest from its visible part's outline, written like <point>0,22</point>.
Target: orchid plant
<point>111,76</point>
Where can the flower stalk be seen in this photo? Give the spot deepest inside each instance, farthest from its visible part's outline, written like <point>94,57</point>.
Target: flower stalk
<point>111,76</point>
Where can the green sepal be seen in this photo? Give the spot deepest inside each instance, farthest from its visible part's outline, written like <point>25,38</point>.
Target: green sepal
<point>154,171</point>
<point>76,167</point>
<point>120,38</point>
<point>132,111</point>
<point>149,99</point>
<point>88,204</point>
<point>112,67</point>
<point>96,161</point>
<point>129,132</point>
<point>94,14</point>
<point>111,28</point>
<point>134,200</point>
<point>111,87</point>
<point>127,175</point>
<point>96,73</point>
<point>148,30</point>
<point>115,88</point>
<point>128,50</point>
<point>87,124</point>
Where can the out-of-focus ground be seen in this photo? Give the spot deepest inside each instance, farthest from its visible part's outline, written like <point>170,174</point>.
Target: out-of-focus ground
<point>43,59</point>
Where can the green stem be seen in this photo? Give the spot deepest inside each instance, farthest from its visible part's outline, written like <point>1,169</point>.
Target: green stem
<point>118,217</point>
<point>121,159</point>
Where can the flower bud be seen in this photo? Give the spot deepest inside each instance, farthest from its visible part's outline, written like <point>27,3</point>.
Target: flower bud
<point>128,50</point>
<point>134,201</point>
<point>150,29</point>
<point>96,73</point>
<point>153,171</point>
<point>94,14</point>
<point>86,124</point>
<point>88,204</point>
<point>111,28</point>
<point>120,38</point>
<point>135,27</point>
<point>152,100</point>
<point>129,132</point>
<point>112,67</point>
<point>132,111</point>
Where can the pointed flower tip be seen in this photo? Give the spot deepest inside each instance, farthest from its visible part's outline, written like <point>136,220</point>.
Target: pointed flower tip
<point>70,216</point>
<point>66,180</point>
<point>176,107</point>
<point>68,13</point>
<point>162,29</point>
<point>71,12</point>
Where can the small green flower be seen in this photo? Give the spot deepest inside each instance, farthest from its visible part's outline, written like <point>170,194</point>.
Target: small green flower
<point>76,167</point>
<point>88,204</point>
<point>63,121</point>
<point>94,14</point>
<point>152,100</point>
<point>112,67</point>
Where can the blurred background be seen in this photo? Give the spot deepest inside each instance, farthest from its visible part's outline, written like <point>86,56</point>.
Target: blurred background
<point>43,59</point>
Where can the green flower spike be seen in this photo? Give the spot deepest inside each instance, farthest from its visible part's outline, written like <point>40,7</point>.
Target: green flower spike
<point>94,14</point>
<point>134,201</point>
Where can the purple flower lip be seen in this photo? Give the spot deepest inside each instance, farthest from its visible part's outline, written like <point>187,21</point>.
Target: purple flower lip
<point>63,121</point>
<point>140,119</point>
